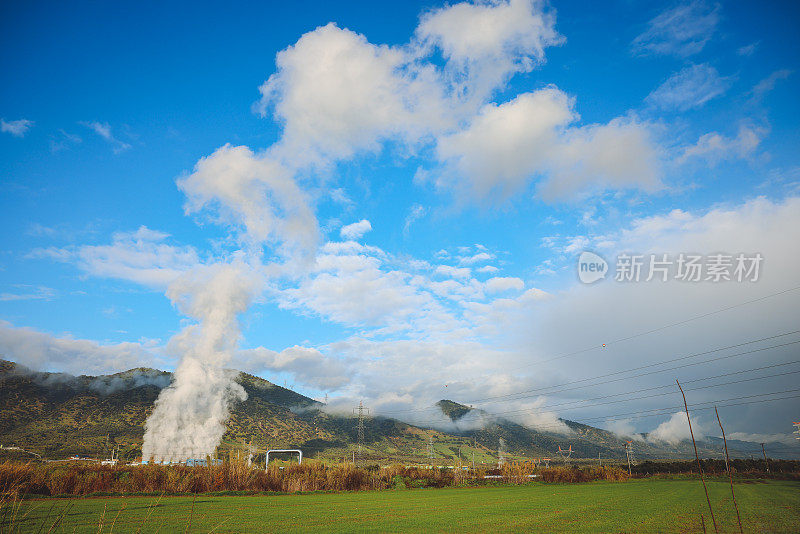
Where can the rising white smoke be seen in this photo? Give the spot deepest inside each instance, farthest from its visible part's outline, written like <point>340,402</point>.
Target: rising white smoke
<point>258,198</point>
<point>189,416</point>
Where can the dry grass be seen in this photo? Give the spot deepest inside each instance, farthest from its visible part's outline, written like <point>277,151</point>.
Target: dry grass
<point>76,479</point>
<point>18,479</point>
<point>589,474</point>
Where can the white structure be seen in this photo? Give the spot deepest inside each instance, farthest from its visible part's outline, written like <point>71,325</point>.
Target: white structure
<point>298,451</point>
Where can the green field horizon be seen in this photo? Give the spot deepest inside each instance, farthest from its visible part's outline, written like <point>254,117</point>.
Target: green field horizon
<point>648,505</point>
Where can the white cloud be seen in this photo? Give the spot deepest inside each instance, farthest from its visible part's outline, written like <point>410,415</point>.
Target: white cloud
<point>480,257</point>
<point>620,427</point>
<point>505,144</point>
<point>339,196</point>
<point>614,310</point>
<point>484,43</point>
<point>748,50</point>
<point>534,415</point>
<point>16,128</point>
<point>416,212</point>
<point>142,257</point>
<point>620,154</point>
<point>487,269</point>
<point>352,289</point>
<point>768,84</point>
<point>576,244</point>
<point>453,272</point>
<point>308,365</point>
<point>496,316</point>
<point>386,373</point>
<point>689,89</point>
<point>681,31</point>
<point>676,429</point>
<point>508,145</point>
<point>500,284</point>
<point>257,194</point>
<point>63,140</point>
<point>28,292</point>
<point>103,129</point>
<point>337,94</point>
<point>714,147</point>
<point>355,230</point>
<point>43,352</point>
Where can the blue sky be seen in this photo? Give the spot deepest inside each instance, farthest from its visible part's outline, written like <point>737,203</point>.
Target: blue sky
<point>522,132</point>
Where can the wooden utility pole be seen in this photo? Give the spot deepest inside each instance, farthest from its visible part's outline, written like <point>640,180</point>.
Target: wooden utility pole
<point>697,456</point>
<point>728,468</point>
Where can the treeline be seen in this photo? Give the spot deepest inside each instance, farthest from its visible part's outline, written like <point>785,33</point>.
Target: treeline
<point>786,469</point>
<point>75,479</point>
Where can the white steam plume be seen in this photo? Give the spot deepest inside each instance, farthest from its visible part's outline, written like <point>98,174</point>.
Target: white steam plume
<point>189,416</point>
<point>258,197</point>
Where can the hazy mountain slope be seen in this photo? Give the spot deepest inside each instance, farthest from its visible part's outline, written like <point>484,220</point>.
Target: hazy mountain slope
<point>60,415</point>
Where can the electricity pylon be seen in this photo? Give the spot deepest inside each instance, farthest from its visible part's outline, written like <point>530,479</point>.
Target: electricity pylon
<point>250,451</point>
<point>360,411</point>
<point>565,455</point>
<point>501,449</point>
<point>474,445</point>
<point>629,454</point>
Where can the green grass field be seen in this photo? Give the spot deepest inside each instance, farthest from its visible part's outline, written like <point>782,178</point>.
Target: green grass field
<point>637,506</point>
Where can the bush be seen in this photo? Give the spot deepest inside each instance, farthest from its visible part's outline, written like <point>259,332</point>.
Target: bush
<point>72,478</point>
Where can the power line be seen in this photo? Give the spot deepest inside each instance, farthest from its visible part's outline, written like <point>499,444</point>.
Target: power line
<point>544,390</point>
<point>634,336</point>
<point>664,387</point>
<point>698,407</point>
<point>692,381</point>
<point>604,418</point>
<point>516,396</point>
<point>660,328</point>
<point>658,371</point>
<point>658,412</point>
<point>757,395</point>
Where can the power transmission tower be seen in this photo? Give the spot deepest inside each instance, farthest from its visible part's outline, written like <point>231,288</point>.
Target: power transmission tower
<point>501,449</point>
<point>629,454</point>
<point>474,444</point>
<point>565,455</point>
<point>430,449</point>
<point>250,451</point>
<point>766,462</point>
<point>360,411</point>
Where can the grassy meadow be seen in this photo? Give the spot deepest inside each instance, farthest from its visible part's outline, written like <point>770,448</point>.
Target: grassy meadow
<point>644,505</point>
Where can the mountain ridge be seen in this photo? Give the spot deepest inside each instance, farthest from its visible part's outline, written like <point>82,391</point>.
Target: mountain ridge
<point>59,415</point>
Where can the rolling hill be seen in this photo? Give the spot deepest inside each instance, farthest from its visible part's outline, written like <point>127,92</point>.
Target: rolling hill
<point>57,416</point>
